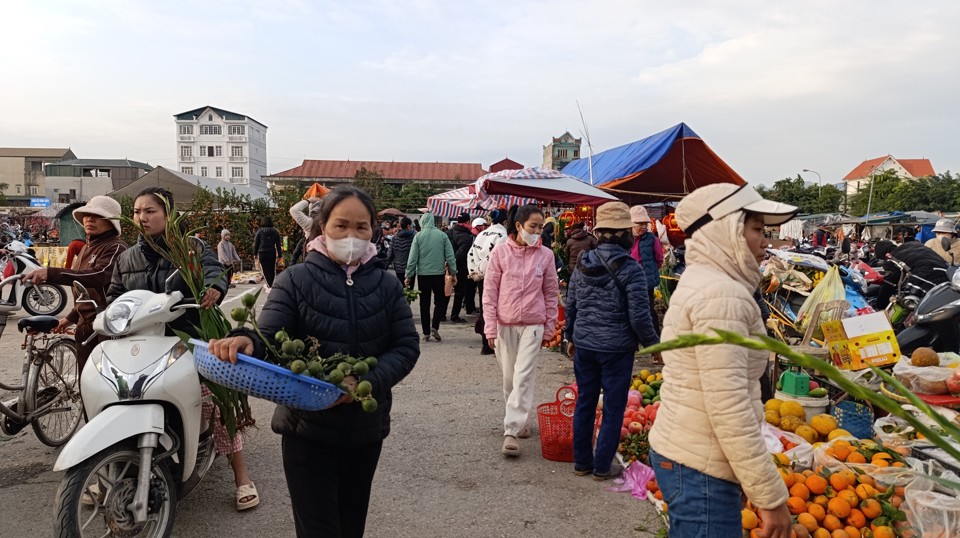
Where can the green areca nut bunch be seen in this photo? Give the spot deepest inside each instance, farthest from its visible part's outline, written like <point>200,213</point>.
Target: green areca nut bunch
<point>303,358</point>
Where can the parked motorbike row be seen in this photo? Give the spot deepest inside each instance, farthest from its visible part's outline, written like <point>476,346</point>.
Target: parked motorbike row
<point>924,310</point>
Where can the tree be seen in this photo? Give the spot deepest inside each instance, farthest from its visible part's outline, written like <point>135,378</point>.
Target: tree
<point>884,186</point>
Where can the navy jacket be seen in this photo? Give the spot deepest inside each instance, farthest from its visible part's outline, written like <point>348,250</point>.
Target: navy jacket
<point>599,317</point>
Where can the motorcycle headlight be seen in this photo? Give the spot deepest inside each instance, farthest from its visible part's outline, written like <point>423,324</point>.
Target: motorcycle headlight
<point>118,315</point>
<point>132,386</point>
<point>955,280</point>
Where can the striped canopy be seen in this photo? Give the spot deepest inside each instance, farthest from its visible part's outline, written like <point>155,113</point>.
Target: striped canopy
<point>449,204</point>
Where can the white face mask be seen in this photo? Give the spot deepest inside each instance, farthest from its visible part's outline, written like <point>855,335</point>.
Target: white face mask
<point>347,250</point>
<point>529,238</point>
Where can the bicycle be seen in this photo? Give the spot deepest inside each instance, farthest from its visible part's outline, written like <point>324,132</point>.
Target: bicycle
<point>48,396</point>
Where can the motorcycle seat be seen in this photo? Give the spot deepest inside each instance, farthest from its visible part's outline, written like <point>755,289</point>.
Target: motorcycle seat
<point>39,324</point>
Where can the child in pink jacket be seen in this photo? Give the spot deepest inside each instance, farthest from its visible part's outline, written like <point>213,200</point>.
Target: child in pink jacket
<point>520,298</point>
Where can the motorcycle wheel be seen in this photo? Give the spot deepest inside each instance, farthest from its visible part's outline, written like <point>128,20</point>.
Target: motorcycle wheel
<point>44,300</point>
<point>57,379</point>
<point>93,497</point>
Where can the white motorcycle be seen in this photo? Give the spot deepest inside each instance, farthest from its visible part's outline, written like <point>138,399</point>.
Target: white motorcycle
<point>43,300</point>
<point>144,446</point>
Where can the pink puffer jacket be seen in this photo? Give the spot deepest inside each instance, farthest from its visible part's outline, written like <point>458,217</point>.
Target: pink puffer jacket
<point>520,288</point>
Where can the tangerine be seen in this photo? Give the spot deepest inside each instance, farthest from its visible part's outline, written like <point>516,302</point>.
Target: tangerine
<point>821,500</point>
<point>866,491</point>
<point>831,523</point>
<point>800,490</point>
<point>856,519</point>
<point>856,457</point>
<point>796,505</point>
<point>851,532</point>
<point>808,521</point>
<point>883,532</point>
<point>817,511</point>
<point>838,507</point>
<point>871,508</point>
<point>839,533</point>
<point>821,533</point>
<point>849,496</point>
<point>749,519</point>
<point>816,484</point>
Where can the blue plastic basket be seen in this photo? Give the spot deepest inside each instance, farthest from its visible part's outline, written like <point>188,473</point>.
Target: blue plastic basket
<point>854,417</point>
<point>264,380</point>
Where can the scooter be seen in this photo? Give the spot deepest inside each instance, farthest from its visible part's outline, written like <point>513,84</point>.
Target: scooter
<point>144,446</point>
<point>936,321</point>
<point>43,300</point>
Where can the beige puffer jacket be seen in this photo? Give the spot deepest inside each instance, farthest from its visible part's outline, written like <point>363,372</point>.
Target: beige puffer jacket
<point>710,414</point>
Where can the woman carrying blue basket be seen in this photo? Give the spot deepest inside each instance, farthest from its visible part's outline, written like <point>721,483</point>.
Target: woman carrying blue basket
<point>345,298</point>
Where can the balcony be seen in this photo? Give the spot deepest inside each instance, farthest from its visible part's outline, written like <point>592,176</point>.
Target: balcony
<point>187,159</point>
<point>186,138</point>
<point>238,159</point>
<point>237,138</point>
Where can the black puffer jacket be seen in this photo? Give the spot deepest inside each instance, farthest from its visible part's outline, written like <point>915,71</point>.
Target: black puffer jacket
<point>599,317</point>
<point>368,318</point>
<point>141,268</point>
<point>267,241</point>
<point>400,250</point>
<point>462,239</point>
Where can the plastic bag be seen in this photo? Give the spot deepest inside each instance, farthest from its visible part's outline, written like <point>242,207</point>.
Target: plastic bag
<point>801,455</point>
<point>927,379</point>
<point>829,289</point>
<point>893,431</point>
<point>634,479</point>
<point>821,457</point>
<point>930,512</point>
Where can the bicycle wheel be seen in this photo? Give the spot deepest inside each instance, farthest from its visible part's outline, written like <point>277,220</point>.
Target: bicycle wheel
<point>55,381</point>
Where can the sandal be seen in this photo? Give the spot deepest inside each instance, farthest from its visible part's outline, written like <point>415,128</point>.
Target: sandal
<point>247,497</point>
<point>510,446</point>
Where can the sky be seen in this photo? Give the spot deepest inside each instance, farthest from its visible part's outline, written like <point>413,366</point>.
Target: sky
<point>772,87</point>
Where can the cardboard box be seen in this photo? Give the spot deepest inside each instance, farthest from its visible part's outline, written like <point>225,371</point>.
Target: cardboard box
<point>862,341</point>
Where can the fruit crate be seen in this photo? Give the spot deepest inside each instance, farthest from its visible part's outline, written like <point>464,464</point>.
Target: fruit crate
<point>261,379</point>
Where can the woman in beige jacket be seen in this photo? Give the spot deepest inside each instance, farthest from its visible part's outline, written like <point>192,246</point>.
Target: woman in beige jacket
<point>706,444</point>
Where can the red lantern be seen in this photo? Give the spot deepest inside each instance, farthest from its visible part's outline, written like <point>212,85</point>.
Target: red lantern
<point>674,233</point>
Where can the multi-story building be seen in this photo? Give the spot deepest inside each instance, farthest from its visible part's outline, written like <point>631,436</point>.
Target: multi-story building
<point>860,177</point>
<point>561,151</point>
<point>21,172</point>
<point>78,180</point>
<point>217,143</point>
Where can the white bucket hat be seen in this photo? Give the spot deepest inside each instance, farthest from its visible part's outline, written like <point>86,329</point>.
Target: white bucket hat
<point>945,226</point>
<point>101,206</point>
<point>479,221</point>
<point>713,202</point>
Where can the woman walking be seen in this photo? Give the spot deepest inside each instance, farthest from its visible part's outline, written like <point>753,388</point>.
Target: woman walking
<point>342,296</point>
<point>607,316</point>
<point>267,246</point>
<point>430,251</point>
<point>706,444</point>
<point>520,294</point>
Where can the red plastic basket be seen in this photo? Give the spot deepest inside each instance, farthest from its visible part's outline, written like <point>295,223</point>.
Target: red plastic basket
<point>556,425</point>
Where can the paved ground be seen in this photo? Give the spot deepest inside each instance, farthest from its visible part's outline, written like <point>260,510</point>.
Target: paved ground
<point>440,474</point>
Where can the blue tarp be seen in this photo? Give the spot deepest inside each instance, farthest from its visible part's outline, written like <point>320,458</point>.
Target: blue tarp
<point>629,159</point>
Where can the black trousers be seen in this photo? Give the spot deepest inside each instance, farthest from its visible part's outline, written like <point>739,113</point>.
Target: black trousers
<point>431,285</point>
<point>463,295</point>
<point>268,266</point>
<point>325,483</point>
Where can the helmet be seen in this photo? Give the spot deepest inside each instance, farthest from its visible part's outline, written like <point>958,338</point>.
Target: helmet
<point>946,226</point>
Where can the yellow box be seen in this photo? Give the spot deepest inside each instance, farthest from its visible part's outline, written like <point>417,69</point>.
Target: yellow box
<point>861,342</point>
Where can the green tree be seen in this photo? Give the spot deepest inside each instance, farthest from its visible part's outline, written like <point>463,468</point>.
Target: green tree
<point>884,188</point>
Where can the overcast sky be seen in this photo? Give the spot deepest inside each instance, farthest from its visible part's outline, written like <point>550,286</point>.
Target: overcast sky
<point>773,87</point>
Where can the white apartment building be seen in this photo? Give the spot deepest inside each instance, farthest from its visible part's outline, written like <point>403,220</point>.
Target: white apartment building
<point>224,145</point>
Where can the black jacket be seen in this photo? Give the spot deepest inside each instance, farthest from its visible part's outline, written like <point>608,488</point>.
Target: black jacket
<point>368,318</point>
<point>400,250</point>
<point>267,241</point>
<point>141,268</point>
<point>462,239</point>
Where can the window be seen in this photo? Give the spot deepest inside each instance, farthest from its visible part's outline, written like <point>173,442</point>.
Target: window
<point>219,152</point>
<point>203,171</point>
<point>187,170</point>
<point>561,154</point>
<point>209,117</point>
<point>219,171</point>
<point>236,171</point>
<point>186,151</point>
<point>576,154</point>
<point>203,151</point>
<point>19,189</point>
<point>236,151</point>
<point>238,130</point>
<point>186,129</point>
<point>33,190</point>
<point>210,130</point>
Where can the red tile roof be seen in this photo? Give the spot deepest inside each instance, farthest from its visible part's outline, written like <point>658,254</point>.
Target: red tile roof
<point>506,164</point>
<point>313,169</point>
<point>914,167</point>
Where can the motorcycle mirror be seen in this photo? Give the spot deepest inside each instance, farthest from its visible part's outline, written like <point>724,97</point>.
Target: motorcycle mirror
<point>168,283</point>
<point>945,243</point>
<point>80,291</point>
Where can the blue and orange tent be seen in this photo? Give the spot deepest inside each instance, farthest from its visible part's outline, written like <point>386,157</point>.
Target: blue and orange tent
<point>662,167</point>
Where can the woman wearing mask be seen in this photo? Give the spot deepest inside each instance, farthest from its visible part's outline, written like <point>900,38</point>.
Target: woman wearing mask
<point>706,444</point>
<point>142,268</point>
<point>343,296</point>
<point>607,316</point>
<point>267,247</point>
<point>520,294</point>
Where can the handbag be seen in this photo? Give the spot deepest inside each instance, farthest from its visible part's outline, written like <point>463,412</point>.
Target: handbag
<point>449,280</point>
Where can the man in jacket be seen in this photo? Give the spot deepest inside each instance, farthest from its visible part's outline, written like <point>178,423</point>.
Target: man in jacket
<point>400,248</point>
<point>579,242</point>
<point>945,229</point>
<point>463,294</point>
<point>93,268</point>
<point>430,250</point>
<point>479,257</point>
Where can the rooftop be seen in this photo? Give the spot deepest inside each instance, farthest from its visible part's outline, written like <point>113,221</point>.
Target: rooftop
<point>57,153</point>
<point>436,171</point>
<point>104,163</point>
<point>225,114</point>
<point>914,167</point>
